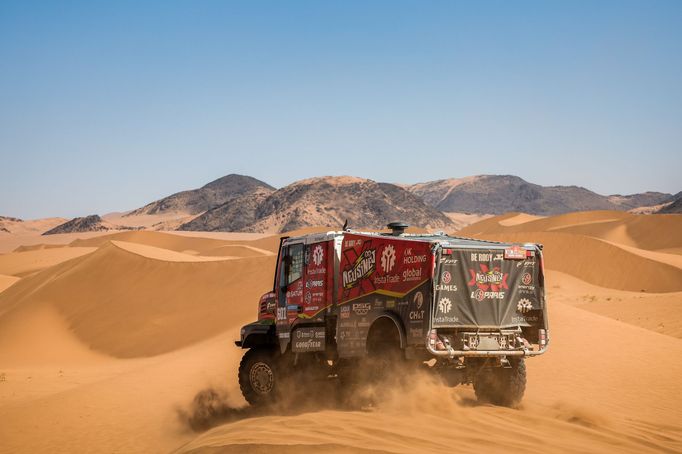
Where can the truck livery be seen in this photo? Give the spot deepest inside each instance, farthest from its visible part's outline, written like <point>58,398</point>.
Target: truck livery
<point>343,300</point>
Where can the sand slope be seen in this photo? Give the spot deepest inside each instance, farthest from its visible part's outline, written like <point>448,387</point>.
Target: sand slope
<point>104,352</point>
<point>23,263</point>
<point>127,305</point>
<point>641,231</point>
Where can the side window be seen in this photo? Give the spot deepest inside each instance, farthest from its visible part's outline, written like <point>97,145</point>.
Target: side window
<point>295,269</point>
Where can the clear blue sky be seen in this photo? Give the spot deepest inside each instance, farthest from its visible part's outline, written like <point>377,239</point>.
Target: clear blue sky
<point>105,106</point>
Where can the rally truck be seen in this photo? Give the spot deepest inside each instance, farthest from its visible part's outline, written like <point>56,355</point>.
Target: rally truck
<point>467,309</point>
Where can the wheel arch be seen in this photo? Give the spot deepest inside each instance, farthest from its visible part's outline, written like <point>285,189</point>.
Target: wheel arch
<point>384,319</point>
<point>257,334</point>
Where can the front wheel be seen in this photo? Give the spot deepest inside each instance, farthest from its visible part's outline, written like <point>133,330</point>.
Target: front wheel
<point>502,386</point>
<point>259,376</point>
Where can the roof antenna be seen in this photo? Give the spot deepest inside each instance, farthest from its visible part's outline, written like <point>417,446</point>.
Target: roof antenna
<point>345,226</point>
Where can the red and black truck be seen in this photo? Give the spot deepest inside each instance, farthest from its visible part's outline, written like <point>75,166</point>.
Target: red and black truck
<point>468,309</point>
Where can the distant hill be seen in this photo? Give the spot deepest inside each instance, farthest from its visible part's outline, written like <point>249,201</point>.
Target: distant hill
<point>674,206</point>
<point>209,196</point>
<point>497,194</point>
<point>6,222</point>
<point>92,223</point>
<point>321,201</point>
<point>644,199</point>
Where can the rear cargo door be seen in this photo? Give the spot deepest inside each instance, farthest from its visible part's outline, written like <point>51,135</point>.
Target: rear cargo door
<point>486,288</point>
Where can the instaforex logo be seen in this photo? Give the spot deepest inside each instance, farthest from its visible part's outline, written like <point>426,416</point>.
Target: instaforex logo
<point>363,267</point>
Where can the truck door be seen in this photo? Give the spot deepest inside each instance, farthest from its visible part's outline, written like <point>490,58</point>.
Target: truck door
<point>289,289</point>
<point>317,280</point>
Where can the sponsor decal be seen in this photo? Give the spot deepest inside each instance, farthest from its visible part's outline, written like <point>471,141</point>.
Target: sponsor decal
<point>345,311</point>
<point>390,304</point>
<point>448,261</point>
<point>348,324</point>
<point>412,274</point>
<point>361,308</point>
<point>525,263</point>
<point>388,279</point>
<point>498,257</point>
<point>351,243</point>
<point>283,335</point>
<point>445,319</point>
<point>363,267</point>
<point>410,259</point>
<point>524,305</point>
<point>416,315</point>
<point>294,293</point>
<point>314,284</point>
<point>481,257</point>
<point>446,288</point>
<point>318,255</point>
<point>445,305</point>
<point>418,299</point>
<point>480,295</point>
<point>488,278</point>
<point>515,253</point>
<point>363,323</point>
<point>526,278</point>
<point>308,339</point>
<point>388,258</point>
<point>308,298</point>
<point>445,277</point>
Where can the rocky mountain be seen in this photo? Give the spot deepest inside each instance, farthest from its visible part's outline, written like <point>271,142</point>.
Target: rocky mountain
<point>645,199</point>
<point>321,201</point>
<point>674,205</point>
<point>497,194</point>
<point>209,196</point>
<point>92,223</point>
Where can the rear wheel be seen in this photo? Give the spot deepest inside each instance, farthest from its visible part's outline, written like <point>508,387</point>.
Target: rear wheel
<point>502,386</point>
<point>385,358</point>
<point>259,375</point>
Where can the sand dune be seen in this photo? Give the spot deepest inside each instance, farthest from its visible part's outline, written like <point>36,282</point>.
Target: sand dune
<point>128,305</point>
<point>659,312</point>
<point>640,231</point>
<point>24,263</point>
<point>167,255</point>
<point>7,281</point>
<point>600,263</point>
<point>104,352</point>
<point>34,240</point>
<point>157,239</point>
<point>520,218</point>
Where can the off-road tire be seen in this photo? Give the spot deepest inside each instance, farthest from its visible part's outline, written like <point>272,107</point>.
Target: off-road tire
<point>502,386</point>
<point>260,375</point>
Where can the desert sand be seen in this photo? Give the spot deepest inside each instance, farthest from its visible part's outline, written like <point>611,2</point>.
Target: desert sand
<point>123,342</point>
